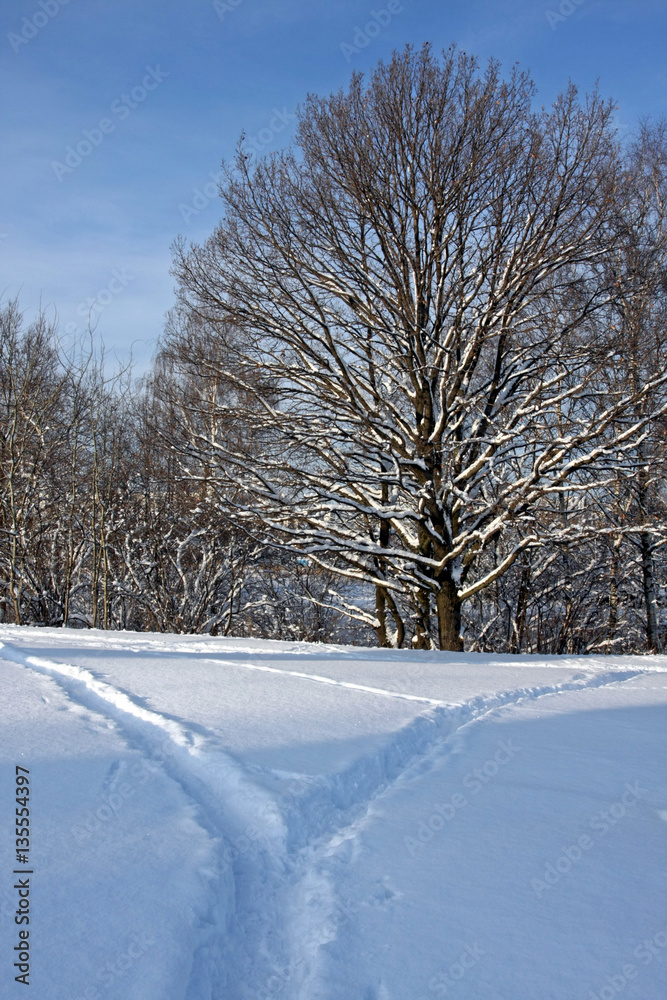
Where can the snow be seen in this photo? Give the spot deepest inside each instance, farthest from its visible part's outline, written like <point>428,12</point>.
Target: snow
<point>222,818</point>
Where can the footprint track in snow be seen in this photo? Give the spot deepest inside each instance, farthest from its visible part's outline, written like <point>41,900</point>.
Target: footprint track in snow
<point>284,866</point>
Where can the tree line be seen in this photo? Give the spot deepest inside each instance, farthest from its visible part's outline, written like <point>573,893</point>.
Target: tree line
<point>413,392</point>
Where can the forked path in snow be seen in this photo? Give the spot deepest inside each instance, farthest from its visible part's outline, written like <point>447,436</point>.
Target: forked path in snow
<point>284,911</point>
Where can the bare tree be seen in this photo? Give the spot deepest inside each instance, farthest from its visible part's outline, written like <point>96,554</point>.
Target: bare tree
<point>32,392</point>
<point>639,271</point>
<point>416,282</point>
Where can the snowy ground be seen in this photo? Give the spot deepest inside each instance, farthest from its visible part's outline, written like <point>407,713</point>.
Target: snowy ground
<point>217,818</point>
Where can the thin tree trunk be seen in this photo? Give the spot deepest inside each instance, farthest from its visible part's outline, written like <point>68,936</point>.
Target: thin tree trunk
<point>613,594</point>
<point>652,632</point>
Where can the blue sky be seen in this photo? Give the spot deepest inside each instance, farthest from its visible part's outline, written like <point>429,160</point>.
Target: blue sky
<point>175,83</point>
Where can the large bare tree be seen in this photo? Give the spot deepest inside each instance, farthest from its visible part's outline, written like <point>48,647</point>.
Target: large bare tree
<point>417,282</point>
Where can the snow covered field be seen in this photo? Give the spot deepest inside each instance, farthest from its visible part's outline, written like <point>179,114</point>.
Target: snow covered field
<point>222,818</point>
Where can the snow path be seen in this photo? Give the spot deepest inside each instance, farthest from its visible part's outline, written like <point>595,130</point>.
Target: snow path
<point>543,835</point>
<point>315,910</point>
<point>122,861</point>
<point>274,907</point>
<point>229,805</point>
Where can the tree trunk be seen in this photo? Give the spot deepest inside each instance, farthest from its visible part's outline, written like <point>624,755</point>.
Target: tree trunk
<point>652,633</point>
<point>519,622</point>
<point>381,614</point>
<point>448,604</point>
<point>613,594</point>
<point>422,636</point>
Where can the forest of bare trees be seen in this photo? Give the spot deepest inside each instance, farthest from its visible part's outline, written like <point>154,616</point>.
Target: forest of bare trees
<point>413,392</point>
